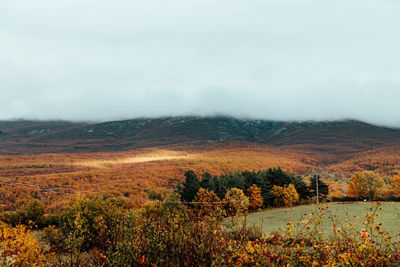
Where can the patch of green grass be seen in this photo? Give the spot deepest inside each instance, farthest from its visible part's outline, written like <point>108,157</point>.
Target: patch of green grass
<point>273,219</point>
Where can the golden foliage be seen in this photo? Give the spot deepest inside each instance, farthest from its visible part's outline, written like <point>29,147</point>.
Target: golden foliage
<point>236,202</point>
<point>291,195</point>
<point>365,184</point>
<point>19,247</point>
<point>285,195</point>
<point>395,181</point>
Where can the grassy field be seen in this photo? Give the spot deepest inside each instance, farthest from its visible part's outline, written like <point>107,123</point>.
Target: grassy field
<point>273,219</point>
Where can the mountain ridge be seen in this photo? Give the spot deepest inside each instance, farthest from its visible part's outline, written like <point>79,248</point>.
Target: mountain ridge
<point>335,137</point>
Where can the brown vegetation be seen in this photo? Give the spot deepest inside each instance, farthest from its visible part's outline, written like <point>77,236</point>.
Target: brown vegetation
<point>56,178</point>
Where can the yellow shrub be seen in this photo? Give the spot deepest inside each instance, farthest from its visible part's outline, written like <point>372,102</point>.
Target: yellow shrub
<point>19,247</point>
<point>236,202</point>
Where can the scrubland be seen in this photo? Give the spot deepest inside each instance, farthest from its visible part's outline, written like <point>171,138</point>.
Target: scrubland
<point>136,208</point>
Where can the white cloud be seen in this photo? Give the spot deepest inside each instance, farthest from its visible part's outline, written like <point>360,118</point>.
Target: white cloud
<point>278,59</point>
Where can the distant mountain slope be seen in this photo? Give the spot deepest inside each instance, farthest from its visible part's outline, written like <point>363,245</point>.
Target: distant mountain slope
<point>331,137</point>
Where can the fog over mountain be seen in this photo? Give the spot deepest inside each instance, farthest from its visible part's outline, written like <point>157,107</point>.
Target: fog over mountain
<point>273,60</point>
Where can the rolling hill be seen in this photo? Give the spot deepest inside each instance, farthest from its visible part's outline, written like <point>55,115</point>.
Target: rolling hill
<point>56,160</point>
<point>329,137</point>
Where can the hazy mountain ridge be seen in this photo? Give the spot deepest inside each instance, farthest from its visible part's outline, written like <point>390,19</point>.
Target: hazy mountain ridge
<point>337,137</point>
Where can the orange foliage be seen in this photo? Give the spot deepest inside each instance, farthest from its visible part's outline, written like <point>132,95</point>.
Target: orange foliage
<point>384,161</point>
<point>395,181</point>
<point>209,202</point>
<point>366,184</point>
<point>255,198</point>
<point>57,178</point>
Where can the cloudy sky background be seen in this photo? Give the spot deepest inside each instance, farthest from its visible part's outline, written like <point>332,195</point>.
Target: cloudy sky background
<point>268,59</point>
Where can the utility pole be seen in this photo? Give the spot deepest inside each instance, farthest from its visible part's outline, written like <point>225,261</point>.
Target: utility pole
<point>344,179</point>
<point>316,182</point>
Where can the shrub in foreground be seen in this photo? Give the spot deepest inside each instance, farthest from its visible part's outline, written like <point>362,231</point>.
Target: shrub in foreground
<point>169,233</point>
<point>305,244</point>
<point>19,247</point>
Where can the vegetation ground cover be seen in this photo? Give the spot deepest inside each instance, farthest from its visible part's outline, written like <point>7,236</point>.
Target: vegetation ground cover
<point>56,178</point>
<point>187,227</point>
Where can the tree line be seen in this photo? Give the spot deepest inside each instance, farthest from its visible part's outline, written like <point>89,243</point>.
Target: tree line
<point>263,179</point>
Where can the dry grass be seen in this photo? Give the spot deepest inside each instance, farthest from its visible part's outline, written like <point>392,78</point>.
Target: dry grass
<point>132,173</point>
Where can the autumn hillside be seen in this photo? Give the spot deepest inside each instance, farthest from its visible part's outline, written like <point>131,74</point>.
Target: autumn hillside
<point>56,160</point>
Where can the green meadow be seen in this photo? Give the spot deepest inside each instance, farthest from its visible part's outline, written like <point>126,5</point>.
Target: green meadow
<point>342,213</point>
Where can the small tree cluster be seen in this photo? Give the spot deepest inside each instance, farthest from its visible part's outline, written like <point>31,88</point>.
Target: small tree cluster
<point>264,180</point>
<point>285,195</point>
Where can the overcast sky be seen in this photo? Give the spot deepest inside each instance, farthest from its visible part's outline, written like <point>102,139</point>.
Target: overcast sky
<point>269,59</point>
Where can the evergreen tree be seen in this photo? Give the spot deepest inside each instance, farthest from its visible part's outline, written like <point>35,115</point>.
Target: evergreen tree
<point>190,187</point>
<point>323,188</point>
<point>264,180</point>
<point>206,181</point>
<point>301,187</point>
